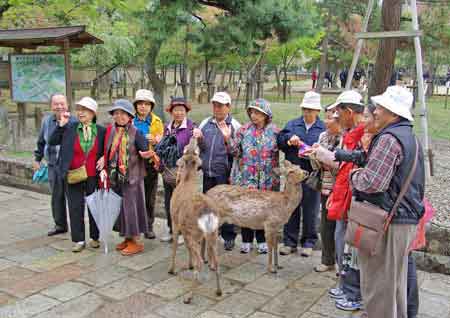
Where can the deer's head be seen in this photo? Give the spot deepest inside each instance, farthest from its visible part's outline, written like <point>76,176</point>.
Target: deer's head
<point>190,161</point>
<point>294,173</point>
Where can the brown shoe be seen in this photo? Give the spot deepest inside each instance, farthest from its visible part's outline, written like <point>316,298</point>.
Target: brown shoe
<point>321,268</point>
<point>123,245</point>
<point>132,248</point>
<point>94,243</point>
<point>306,252</point>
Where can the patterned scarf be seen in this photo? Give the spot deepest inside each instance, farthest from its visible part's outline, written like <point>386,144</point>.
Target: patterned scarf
<point>87,134</point>
<point>119,149</point>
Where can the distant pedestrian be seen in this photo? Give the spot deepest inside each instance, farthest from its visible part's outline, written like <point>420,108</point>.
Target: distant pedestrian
<point>314,77</point>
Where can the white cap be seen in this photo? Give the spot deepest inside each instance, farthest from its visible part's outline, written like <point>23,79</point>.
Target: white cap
<point>221,97</point>
<point>347,97</point>
<point>144,95</point>
<point>311,100</point>
<point>396,99</point>
<point>88,103</point>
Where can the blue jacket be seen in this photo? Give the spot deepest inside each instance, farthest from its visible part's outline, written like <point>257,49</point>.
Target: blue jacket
<point>216,157</point>
<point>298,127</point>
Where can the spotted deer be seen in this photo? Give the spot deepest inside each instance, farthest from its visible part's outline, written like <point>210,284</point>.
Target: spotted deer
<point>255,209</point>
<point>195,216</point>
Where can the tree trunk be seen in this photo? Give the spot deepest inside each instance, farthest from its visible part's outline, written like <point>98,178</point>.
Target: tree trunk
<point>285,80</point>
<point>323,68</point>
<point>157,84</point>
<point>384,65</point>
<point>125,93</point>
<point>222,79</point>
<point>277,77</point>
<point>192,87</point>
<point>259,80</point>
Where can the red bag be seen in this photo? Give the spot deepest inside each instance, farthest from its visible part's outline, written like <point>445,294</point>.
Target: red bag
<point>420,240</point>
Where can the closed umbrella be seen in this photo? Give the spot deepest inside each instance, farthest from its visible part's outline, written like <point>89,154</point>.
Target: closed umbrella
<point>105,208</point>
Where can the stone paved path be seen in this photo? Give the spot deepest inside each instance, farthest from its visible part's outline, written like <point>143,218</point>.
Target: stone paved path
<point>40,277</point>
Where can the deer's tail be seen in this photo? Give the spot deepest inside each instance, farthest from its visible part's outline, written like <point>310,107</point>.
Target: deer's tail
<point>208,222</point>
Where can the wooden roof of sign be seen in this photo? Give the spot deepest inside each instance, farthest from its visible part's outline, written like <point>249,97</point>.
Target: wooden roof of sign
<point>56,36</point>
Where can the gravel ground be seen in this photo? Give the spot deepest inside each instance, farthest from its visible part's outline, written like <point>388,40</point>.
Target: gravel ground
<point>438,188</point>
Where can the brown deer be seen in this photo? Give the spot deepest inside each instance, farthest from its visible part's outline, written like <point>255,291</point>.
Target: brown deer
<point>195,216</point>
<point>257,210</point>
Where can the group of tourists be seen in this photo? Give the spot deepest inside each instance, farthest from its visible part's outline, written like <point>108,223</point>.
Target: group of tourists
<point>360,152</point>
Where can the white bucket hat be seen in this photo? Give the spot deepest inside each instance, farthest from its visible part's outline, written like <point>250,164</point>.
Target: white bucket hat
<point>144,95</point>
<point>88,103</point>
<point>221,97</point>
<point>347,97</point>
<point>396,99</point>
<point>311,100</point>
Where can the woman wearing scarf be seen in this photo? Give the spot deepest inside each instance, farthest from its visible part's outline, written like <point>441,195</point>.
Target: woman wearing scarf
<point>255,147</point>
<point>124,154</point>
<point>181,128</point>
<point>81,146</point>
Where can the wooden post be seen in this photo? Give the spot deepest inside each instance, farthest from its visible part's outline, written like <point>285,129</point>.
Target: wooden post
<point>446,95</point>
<point>66,51</point>
<point>22,113</point>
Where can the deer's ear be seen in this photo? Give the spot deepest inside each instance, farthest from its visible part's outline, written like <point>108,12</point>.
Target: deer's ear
<point>287,164</point>
<point>180,163</point>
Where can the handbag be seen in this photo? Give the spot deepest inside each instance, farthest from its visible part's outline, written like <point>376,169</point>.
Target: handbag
<point>77,175</point>
<point>41,175</point>
<point>314,180</point>
<point>368,223</point>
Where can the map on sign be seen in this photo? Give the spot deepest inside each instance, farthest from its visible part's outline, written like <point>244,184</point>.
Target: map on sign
<point>34,77</point>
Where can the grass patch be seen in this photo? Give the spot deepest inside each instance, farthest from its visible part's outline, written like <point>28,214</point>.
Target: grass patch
<point>18,154</point>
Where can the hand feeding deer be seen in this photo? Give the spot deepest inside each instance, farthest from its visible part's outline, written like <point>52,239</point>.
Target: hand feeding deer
<point>266,210</point>
<point>195,216</point>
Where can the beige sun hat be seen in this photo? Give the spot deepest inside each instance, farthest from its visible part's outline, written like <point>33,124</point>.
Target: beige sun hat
<point>89,103</point>
<point>222,98</point>
<point>396,99</point>
<point>311,100</point>
<point>347,97</point>
<point>144,95</point>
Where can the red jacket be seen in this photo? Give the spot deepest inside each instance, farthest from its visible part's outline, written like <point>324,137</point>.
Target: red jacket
<point>341,196</point>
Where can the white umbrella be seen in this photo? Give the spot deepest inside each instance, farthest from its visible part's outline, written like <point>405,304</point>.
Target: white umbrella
<point>105,208</point>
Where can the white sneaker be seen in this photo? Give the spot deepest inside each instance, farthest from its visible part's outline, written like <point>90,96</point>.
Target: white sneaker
<point>166,237</point>
<point>180,240</point>
<point>246,248</point>
<point>262,248</point>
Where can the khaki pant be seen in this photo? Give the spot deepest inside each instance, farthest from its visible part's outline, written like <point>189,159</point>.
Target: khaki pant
<point>384,276</point>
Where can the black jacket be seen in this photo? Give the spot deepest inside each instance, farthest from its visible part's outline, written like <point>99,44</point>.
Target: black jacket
<point>65,136</point>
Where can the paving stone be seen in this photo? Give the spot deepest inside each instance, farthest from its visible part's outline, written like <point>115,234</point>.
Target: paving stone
<point>60,259</point>
<point>313,280</point>
<point>12,275</point>
<point>42,281</point>
<point>171,288</point>
<point>260,314</point>
<point>104,276</point>
<point>234,258</point>
<point>311,315</point>
<point>246,273</point>
<point>434,305</point>
<point>436,286</point>
<point>4,264</point>
<point>6,299</point>
<point>28,307</point>
<point>122,288</point>
<point>62,245</point>
<point>67,291</point>
<point>76,308</point>
<point>240,304</point>
<point>178,309</point>
<point>143,261</point>
<point>33,255</point>
<point>213,314</point>
<point>155,274</point>
<point>208,288</point>
<point>326,307</point>
<point>267,284</point>
<point>138,305</point>
<point>293,302</point>
<point>99,260</point>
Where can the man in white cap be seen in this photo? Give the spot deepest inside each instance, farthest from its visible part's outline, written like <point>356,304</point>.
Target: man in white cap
<point>152,128</point>
<point>390,160</point>
<point>58,105</point>
<point>213,134</point>
<point>302,132</point>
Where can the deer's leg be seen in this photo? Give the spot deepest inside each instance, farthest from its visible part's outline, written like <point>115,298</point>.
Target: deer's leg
<point>275,249</point>
<point>214,259</point>
<point>194,250</point>
<point>174,248</point>
<point>269,239</point>
<point>204,256</point>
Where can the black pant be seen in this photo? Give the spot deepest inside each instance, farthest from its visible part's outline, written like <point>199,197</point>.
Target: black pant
<point>168,191</point>
<point>58,198</point>
<point>327,229</point>
<point>308,209</point>
<point>226,230</point>
<point>76,194</point>
<point>151,187</point>
<point>248,235</point>
<point>351,284</point>
<point>412,289</point>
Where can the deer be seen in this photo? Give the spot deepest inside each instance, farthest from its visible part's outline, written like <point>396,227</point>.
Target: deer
<point>255,209</point>
<point>196,217</point>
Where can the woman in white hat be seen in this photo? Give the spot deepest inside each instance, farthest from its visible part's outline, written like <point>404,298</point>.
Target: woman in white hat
<point>302,132</point>
<point>81,147</point>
